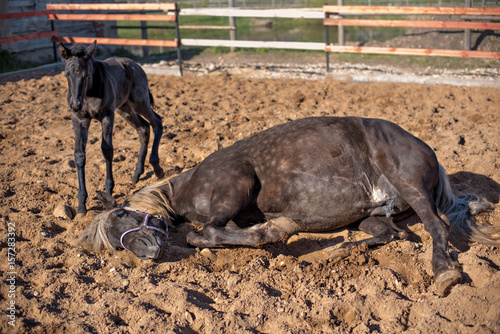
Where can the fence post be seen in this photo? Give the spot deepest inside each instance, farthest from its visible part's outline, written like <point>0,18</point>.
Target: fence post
<point>178,37</point>
<point>144,31</point>
<point>468,4</point>
<point>341,27</point>
<point>5,24</point>
<point>327,41</point>
<point>232,23</point>
<point>54,48</point>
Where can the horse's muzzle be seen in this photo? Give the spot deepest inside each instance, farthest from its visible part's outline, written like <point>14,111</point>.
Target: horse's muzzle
<point>76,105</point>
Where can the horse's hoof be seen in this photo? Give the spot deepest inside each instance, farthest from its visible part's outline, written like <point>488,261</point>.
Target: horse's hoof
<point>447,280</point>
<point>338,254</point>
<point>134,181</point>
<point>160,174</point>
<point>80,215</point>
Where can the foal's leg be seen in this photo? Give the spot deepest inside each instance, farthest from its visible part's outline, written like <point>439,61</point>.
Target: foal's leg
<point>142,128</point>
<point>107,148</point>
<point>81,129</point>
<point>140,102</point>
<point>142,106</point>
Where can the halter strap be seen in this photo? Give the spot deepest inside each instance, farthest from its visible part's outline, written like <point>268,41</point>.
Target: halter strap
<point>145,225</point>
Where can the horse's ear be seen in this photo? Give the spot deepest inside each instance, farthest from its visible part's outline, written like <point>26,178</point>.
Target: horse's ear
<point>64,51</point>
<point>106,199</point>
<point>91,50</point>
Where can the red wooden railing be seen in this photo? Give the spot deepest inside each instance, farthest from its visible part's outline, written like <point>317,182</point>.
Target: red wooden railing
<point>377,10</point>
<point>27,36</point>
<point>333,17</point>
<point>383,10</point>
<point>171,16</point>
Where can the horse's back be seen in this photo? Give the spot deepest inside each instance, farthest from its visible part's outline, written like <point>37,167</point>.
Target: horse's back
<point>318,142</point>
<point>129,78</point>
<point>122,66</point>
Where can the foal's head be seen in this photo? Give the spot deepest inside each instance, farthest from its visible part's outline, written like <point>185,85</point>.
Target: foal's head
<point>137,231</point>
<point>78,71</point>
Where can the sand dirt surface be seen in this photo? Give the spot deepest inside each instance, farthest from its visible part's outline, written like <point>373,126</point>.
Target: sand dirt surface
<point>292,287</point>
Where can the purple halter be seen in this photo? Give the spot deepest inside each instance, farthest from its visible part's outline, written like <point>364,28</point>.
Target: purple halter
<point>145,225</point>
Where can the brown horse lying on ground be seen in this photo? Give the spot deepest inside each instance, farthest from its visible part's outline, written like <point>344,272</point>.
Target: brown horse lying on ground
<point>320,173</point>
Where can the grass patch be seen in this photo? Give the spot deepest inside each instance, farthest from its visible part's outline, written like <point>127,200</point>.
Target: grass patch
<point>9,64</point>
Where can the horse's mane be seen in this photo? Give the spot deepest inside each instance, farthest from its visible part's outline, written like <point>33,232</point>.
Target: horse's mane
<point>95,235</point>
<point>152,199</point>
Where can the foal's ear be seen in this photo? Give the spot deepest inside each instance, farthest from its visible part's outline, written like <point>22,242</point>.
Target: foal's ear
<point>64,51</point>
<point>106,199</point>
<point>91,50</point>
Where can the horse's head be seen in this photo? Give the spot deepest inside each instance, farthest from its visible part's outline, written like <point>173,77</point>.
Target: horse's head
<point>78,70</point>
<point>141,233</point>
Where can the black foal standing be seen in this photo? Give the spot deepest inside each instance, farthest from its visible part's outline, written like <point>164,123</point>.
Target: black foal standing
<point>95,90</point>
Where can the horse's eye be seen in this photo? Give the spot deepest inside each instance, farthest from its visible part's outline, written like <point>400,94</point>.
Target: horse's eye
<point>122,213</point>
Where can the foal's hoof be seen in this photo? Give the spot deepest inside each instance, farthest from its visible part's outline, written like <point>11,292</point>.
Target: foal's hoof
<point>160,174</point>
<point>447,280</point>
<point>134,181</point>
<point>80,215</point>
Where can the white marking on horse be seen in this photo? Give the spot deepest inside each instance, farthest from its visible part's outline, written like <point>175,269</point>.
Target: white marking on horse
<point>379,196</point>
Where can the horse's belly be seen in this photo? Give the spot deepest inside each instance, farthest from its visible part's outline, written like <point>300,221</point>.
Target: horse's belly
<point>331,202</point>
<point>312,199</point>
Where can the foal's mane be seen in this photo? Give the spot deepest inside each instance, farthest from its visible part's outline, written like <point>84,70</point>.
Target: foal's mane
<point>150,199</point>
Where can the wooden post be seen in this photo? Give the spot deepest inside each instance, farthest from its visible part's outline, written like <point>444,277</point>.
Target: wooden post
<point>4,24</point>
<point>327,41</point>
<point>54,47</point>
<point>178,38</point>
<point>468,3</point>
<point>232,23</point>
<point>144,32</point>
<point>341,27</point>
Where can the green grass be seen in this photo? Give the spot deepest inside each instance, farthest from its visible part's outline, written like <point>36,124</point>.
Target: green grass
<point>259,29</point>
<point>300,30</point>
<point>9,64</point>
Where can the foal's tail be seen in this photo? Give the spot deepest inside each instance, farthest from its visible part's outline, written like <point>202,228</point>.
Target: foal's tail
<point>459,211</point>
<point>151,100</point>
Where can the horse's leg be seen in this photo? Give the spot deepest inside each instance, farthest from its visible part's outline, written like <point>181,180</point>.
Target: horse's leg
<point>382,229</point>
<point>143,108</point>
<point>447,272</point>
<point>142,128</point>
<point>235,190</point>
<point>107,148</point>
<point>81,129</point>
<point>274,230</point>
<point>414,182</point>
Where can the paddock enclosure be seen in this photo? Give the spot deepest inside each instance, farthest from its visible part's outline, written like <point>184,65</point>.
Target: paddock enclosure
<point>291,287</point>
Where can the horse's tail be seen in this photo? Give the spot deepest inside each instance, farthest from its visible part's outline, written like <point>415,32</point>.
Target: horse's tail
<point>459,211</point>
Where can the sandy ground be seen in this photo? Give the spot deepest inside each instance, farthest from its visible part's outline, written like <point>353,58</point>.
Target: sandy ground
<point>57,287</point>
